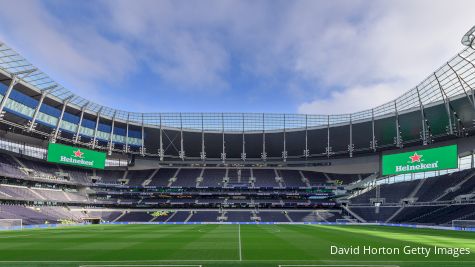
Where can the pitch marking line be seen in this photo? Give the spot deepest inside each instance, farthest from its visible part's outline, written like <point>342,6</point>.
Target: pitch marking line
<point>240,247</point>
<point>13,236</point>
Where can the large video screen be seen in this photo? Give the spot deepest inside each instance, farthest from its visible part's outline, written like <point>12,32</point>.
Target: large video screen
<point>432,159</point>
<point>81,157</point>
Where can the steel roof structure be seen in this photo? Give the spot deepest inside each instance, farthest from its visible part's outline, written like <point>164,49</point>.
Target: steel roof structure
<point>456,77</point>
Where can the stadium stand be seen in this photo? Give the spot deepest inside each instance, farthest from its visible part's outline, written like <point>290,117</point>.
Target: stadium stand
<point>237,167</point>
<point>204,216</point>
<point>135,217</point>
<point>292,178</point>
<point>187,177</point>
<point>265,178</point>
<point>213,177</point>
<point>162,177</point>
<point>441,188</point>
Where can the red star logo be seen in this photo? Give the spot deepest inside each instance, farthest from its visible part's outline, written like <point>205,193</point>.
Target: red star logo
<point>415,158</point>
<point>78,153</point>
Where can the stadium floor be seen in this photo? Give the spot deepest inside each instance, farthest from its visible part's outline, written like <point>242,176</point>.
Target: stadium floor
<point>226,246</point>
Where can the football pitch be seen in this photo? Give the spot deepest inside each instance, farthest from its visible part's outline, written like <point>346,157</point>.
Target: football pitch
<point>233,246</point>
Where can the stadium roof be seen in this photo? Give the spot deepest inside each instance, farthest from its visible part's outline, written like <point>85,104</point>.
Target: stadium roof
<point>469,38</point>
<point>455,78</point>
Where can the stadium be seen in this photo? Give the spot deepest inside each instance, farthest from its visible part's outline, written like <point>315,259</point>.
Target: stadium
<point>83,184</point>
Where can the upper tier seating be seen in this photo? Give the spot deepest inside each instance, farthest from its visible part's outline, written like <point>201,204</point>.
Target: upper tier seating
<point>292,178</point>
<point>109,177</point>
<point>434,187</point>
<point>76,174</point>
<point>187,177</point>
<point>162,177</point>
<point>213,177</point>
<point>346,178</point>
<point>315,178</point>
<point>431,189</point>
<point>265,178</point>
<point>136,178</point>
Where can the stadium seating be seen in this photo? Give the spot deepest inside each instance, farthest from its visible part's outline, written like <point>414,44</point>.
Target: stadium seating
<point>109,177</point>
<point>265,178</point>
<point>373,214</point>
<point>215,188</point>
<point>292,178</point>
<point>180,216</point>
<point>135,217</point>
<point>204,216</point>
<point>238,216</point>
<point>435,187</point>
<point>273,216</point>
<point>162,177</point>
<point>136,178</point>
<point>213,177</point>
<point>187,177</point>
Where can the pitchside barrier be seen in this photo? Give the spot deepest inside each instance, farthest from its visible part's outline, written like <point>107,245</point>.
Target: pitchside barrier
<point>45,226</point>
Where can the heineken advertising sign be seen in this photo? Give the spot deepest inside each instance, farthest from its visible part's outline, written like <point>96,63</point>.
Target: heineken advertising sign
<point>81,157</point>
<point>432,159</point>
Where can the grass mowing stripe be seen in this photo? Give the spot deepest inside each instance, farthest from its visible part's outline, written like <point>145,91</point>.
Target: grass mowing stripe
<point>265,246</point>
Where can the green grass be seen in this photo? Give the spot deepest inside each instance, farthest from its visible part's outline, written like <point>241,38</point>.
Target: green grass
<point>224,246</point>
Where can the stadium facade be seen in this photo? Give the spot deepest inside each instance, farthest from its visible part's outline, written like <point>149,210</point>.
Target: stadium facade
<point>234,166</point>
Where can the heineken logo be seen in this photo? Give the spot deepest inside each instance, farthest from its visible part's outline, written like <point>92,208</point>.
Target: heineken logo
<point>430,159</point>
<point>65,159</point>
<point>416,158</point>
<point>78,153</point>
<point>76,156</point>
<point>417,167</point>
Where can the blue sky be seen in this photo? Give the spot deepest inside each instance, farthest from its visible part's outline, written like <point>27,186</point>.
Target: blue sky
<point>237,56</point>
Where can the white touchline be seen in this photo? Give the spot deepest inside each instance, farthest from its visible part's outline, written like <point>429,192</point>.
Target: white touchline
<point>240,249</point>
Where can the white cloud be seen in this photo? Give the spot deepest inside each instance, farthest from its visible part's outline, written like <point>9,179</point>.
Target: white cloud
<point>352,99</point>
<point>309,49</point>
<point>76,55</point>
<point>393,48</point>
<point>180,41</point>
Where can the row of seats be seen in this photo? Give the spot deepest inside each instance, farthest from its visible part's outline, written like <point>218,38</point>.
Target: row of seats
<point>55,214</point>
<point>15,167</point>
<point>39,215</point>
<point>439,215</point>
<point>39,194</point>
<point>431,189</point>
<point>232,216</point>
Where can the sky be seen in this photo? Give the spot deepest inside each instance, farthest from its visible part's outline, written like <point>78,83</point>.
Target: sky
<point>309,56</point>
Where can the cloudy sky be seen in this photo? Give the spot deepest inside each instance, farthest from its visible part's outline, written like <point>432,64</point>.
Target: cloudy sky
<point>237,56</point>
